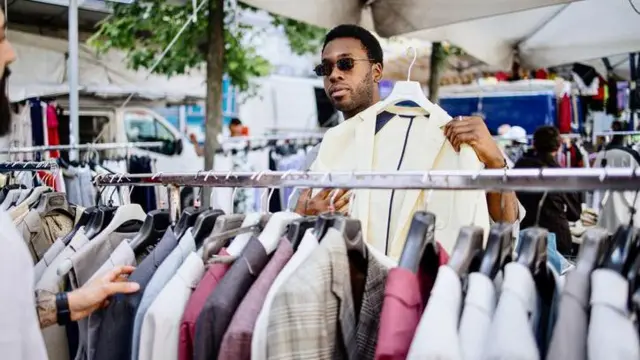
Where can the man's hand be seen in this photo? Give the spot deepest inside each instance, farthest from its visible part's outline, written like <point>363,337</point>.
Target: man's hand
<point>92,296</point>
<point>321,203</point>
<point>473,131</point>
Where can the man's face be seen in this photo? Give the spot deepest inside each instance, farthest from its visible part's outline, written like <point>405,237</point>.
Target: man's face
<point>350,90</point>
<point>236,130</point>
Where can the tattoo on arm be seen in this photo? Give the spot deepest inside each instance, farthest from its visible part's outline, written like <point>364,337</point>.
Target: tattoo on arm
<point>46,307</point>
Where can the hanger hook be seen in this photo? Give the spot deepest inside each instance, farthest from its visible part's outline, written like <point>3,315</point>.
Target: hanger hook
<point>415,57</point>
<point>332,200</point>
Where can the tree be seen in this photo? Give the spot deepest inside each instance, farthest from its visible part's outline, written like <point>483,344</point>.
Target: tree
<point>437,62</point>
<point>144,29</point>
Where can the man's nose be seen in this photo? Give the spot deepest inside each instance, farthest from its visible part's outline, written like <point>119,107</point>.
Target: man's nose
<point>336,75</point>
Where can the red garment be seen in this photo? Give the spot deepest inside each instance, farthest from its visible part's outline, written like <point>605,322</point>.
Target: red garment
<point>541,74</point>
<point>195,304</point>
<point>53,136</point>
<point>564,115</point>
<point>405,296</point>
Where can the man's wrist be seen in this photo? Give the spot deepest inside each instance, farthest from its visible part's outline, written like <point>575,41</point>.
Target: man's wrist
<point>46,308</point>
<point>498,163</point>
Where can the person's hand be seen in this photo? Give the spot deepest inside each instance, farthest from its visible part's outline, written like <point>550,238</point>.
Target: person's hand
<point>321,202</point>
<point>472,130</point>
<point>93,296</point>
<point>192,138</point>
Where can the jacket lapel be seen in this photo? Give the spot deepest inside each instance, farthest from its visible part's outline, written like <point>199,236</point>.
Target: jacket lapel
<point>423,146</point>
<point>365,140</point>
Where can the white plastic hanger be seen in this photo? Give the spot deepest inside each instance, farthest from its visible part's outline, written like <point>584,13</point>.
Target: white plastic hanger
<point>407,90</point>
<point>274,229</point>
<point>238,244</point>
<point>123,214</point>
<point>35,195</point>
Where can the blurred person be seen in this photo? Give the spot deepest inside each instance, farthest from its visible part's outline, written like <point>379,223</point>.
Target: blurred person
<point>517,143</point>
<point>616,140</point>
<point>23,311</point>
<point>352,68</point>
<point>558,208</point>
<point>236,128</point>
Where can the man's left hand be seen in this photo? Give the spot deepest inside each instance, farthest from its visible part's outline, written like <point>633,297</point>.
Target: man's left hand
<point>472,130</point>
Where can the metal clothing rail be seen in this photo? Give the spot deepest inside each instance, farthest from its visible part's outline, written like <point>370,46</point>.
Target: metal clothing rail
<point>531,180</point>
<point>88,146</point>
<point>607,133</point>
<point>239,139</point>
<point>7,166</point>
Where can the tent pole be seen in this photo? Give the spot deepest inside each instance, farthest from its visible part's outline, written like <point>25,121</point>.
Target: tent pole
<point>72,77</point>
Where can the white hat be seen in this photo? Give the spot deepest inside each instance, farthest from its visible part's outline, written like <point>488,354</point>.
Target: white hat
<point>517,134</point>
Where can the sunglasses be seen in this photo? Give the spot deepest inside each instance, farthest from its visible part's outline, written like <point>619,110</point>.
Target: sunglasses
<point>343,64</point>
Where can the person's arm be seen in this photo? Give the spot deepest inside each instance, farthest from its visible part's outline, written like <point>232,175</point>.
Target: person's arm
<point>503,206</point>
<point>46,308</point>
<point>574,206</point>
<point>87,299</point>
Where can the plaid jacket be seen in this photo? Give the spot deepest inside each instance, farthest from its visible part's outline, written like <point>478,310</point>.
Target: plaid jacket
<point>313,313</point>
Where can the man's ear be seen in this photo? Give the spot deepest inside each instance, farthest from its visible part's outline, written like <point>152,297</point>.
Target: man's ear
<point>377,72</point>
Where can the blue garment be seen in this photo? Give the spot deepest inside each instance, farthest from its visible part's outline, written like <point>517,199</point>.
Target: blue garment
<point>115,334</point>
<point>554,257</point>
<point>160,278</point>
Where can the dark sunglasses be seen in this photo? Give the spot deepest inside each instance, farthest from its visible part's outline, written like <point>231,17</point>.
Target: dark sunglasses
<point>343,64</point>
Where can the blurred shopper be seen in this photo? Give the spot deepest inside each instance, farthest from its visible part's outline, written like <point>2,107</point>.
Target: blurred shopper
<point>557,209</point>
<point>517,143</point>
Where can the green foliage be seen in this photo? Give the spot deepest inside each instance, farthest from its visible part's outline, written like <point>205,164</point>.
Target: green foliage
<point>145,28</point>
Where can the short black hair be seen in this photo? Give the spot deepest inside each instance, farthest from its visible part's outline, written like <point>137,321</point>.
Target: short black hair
<point>235,121</point>
<point>546,139</point>
<point>369,42</point>
<point>616,125</point>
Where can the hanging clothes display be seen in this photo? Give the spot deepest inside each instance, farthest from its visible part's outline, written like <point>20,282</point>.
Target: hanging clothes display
<point>52,130</point>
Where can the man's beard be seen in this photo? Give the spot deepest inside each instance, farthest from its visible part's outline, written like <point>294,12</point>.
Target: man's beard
<point>362,96</point>
<point>5,109</point>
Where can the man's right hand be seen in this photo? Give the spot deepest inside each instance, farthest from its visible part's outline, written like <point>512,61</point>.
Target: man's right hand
<point>321,202</point>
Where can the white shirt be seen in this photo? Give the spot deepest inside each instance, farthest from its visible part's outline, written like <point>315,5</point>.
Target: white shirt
<point>479,307</point>
<point>437,333</point>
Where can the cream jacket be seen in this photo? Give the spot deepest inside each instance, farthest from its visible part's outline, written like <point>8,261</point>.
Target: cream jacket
<point>351,146</point>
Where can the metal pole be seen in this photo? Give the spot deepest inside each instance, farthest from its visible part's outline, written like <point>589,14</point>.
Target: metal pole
<point>73,78</point>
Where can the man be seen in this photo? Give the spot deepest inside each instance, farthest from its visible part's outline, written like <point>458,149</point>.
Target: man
<point>235,127</point>
<point>352,67</point>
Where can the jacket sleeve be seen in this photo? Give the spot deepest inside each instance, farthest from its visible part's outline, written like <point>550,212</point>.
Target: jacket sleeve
<point>574,206</point>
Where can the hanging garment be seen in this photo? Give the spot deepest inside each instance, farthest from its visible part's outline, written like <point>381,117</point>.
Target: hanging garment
<point>88,328</point>
<point>88,260</point>
<point>243,198</point>
<point>52,130</point>
<point>475,322</point>
<point>318,297</point>
<point>569,340</point>
<point>236,344</point>
<point>47,259</point>
<point>161,277</point>
<point>220,306</point>
<point>564,115</point>
<point>612,333</point>
<point>143,195</point>
<point>116,330</point>
<point>160,332</point>
<point>20,135</point>
<point>354,146</point>
<point>20,336</point>
<point>218,267</point>
<point>512,327</point>
<point>40,230</point>
<point>37,129</point>
<point>405,295</point>
<point>437,334</point>
<point>259,340</point>
<point>55,336</point>
<point>64,128</point>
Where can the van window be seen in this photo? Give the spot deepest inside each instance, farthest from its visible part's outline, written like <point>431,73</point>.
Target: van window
<point>143,126</point>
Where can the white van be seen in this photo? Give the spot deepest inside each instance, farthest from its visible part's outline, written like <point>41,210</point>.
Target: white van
<point>138,124</point>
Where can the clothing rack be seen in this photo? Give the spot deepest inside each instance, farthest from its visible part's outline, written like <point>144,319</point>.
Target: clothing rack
<point>237,139</point>
<point>88,146</point>
<point>611,133</point>
<point>530,180</point>
<point>8,166</point>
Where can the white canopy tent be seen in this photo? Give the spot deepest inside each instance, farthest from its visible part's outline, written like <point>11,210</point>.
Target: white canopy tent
<point>394,17</point>
<point>41,70</point>
<point>548,36</point>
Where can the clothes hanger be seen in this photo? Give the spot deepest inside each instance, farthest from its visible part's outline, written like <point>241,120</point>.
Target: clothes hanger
<point>251,220</point>
<point>499,249</point>
<point>467,252</point>
<point>155,225</point>
<point>297,228</point>
<point>624,245</point>
<point>187,220</point>
<point>532,246</point>
<point>102,217</point>
<point>407,90</point>
<point>420,249</point>
<point>272,232</point>
<point>54,201</point>
<point>594,248</point>
<point>124,214</point>
<point>85,218</point>
<point>5,190</point>
<point>351,231</point>
<point>11,198</point>
<point>204,225</point>
<point>215,243</point>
